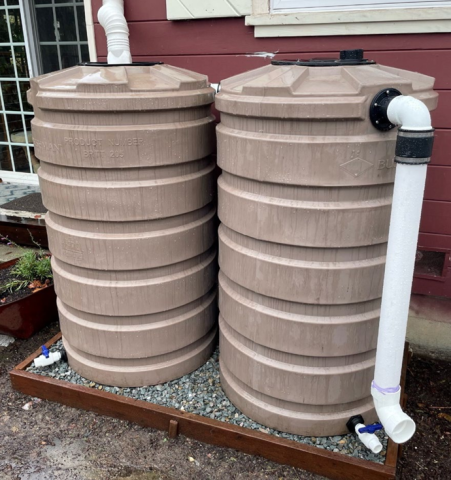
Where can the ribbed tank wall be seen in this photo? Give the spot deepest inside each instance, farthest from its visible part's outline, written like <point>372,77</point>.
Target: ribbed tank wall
<point>304,201</point>
<point>128,179</point>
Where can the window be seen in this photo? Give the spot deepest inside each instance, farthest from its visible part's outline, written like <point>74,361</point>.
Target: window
<point>16,148</point>
<point>298,5</point>
<point>61,29</point>
<point>299,18</point>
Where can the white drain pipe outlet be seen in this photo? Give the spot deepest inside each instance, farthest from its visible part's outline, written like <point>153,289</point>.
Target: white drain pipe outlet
<point>413,152</point>
<point>370,440</point>
<point>111,17</point>
<point>44,361</point>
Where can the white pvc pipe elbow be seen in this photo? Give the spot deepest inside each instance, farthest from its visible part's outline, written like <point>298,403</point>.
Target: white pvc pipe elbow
<point>111,17</point>
<point>370,440</point>
<point>397,425</point>
<point>410,113</point>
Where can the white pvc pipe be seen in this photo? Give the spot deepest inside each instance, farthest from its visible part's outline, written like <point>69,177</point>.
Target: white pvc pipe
<point>111,17</point>
<point>401,251</point>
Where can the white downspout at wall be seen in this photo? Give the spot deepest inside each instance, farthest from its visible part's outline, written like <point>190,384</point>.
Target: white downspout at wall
<point>111,17</point>
<point>89,19</point>
<point>413,151</point>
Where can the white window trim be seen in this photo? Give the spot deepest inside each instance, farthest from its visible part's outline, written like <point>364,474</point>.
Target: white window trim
<point>424,18</point>
<point>348,21</point>
<point>192,9</point>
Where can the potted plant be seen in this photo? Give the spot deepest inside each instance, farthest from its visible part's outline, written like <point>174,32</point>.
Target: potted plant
<point>27,295</point>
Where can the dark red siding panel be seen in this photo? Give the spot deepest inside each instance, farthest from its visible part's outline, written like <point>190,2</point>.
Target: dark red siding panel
<point>441,117</point>
<point>231,36</point>
<point>441,154</point>
<point>438,184</point>
<point>436,217</point>
<point>138,10</point>
<point>430,241</point>
<point>429,286</point>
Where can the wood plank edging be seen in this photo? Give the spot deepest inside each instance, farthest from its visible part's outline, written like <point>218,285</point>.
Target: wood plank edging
<point>335,466</point>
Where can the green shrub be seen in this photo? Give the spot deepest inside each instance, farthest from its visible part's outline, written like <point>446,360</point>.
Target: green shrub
<point>32,266</point>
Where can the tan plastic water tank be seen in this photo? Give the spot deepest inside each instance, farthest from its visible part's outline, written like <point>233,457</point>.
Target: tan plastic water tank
<point>127,177</point>
<point>304,201</point>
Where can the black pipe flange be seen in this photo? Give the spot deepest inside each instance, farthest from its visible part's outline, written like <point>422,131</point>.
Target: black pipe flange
<point>379,107</point>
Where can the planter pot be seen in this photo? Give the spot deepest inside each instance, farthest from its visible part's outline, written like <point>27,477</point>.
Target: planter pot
<point>26,316</point>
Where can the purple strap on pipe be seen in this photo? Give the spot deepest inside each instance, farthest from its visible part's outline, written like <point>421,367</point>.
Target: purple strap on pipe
<point>385,390</point>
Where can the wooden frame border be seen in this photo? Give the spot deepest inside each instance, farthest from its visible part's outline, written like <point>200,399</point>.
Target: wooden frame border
<point>335,466</point>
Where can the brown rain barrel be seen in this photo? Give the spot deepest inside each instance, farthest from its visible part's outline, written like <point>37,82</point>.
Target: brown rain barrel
<point>304,201</point>
<point>128,180</point>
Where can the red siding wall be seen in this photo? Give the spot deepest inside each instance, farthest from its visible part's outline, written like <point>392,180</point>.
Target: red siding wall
<point>221,48</point>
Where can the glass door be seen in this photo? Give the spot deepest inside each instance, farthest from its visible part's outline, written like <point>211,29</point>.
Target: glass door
<point>61,29</point>
<point>16,149</point>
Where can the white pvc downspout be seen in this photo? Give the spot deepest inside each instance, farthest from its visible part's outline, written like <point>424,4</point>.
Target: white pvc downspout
<point>415,138</point>
<point>111,17</point>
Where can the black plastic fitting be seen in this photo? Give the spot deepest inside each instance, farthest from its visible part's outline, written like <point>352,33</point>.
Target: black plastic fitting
<point>379,107</point>
<point>353,422</point>
<point>414,147</point>
<point>347,58</point>
<point>64,356</point>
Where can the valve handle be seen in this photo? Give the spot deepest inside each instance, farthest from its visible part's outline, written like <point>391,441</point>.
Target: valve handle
<point>45,351</point>
<point>371,428</point>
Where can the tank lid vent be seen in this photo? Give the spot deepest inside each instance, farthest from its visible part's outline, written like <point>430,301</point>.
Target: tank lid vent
<point>347,57</point>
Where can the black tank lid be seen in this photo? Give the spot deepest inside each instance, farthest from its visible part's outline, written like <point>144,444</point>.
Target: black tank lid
<point>347,57</point>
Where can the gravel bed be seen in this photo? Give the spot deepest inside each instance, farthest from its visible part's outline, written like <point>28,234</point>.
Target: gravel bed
<point>200,393</point>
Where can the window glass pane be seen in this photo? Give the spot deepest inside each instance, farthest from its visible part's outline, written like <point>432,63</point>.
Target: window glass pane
<point>16,25</point>
<point>69,56</point>
<point>10,96</point>
<point>84,53</point>
<point>13,2</point>
<point>4,35</point>
<point>46,26</point>
<point>49,58</point>
<point>6,65</point>
<point>21,62</point>
<point>42,2</point>
<point>15,125</point>
<point>82,24</point>
<point>3,128</point>
<point>24,87</point>
<point>27,120</point>
<point>5,158</point>
<point>65,21</point>
<point>20,155</point>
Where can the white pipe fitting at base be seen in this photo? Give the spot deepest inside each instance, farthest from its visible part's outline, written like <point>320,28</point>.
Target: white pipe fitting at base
<point>43,361</point>
<point>111,17</point>
<point>370,440</point>
<point>397,425</point>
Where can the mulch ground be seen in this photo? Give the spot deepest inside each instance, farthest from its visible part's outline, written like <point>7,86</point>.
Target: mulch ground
<point>29,203</point>
<point>50,441</point>
<point>428,455</point>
